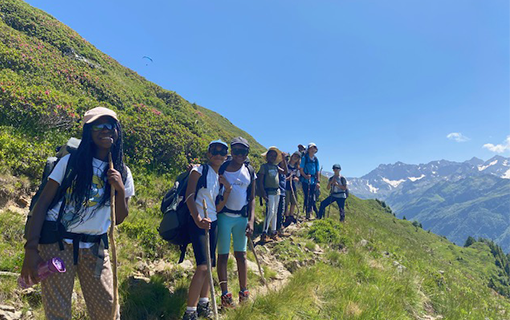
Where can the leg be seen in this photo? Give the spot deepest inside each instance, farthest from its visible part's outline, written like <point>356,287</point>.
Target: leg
<point>97,291</point>
<point>341,205</point>
<point>306,194</point>
<point>274,209</point>
<point>224,231</point>
<point>240,242</point>
<point>57,289</point>
<point>281,208</point>
<point>324,204</point>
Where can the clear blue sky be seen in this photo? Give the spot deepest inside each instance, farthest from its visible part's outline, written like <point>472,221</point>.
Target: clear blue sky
<point>370,82</point>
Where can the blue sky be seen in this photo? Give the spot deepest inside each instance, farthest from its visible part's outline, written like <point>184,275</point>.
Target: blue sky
<point>370,82</point>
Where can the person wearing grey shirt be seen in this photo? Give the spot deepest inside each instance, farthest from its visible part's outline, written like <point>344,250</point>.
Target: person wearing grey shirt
<point>338,186</point>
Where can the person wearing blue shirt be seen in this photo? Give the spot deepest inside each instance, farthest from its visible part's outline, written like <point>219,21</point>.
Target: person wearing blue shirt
<point>309,169</point>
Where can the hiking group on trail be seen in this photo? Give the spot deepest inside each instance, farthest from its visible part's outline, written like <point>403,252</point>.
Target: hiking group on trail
<point>209,206</point>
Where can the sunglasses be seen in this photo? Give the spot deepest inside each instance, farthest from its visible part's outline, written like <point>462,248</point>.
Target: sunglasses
<point>100,127</point>
<point>240,152</point>
<point>215,152</point>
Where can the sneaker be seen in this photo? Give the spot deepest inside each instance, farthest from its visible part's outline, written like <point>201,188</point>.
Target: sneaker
<point>204,311</point>
<point>244,296</point>
<point>227,301</point>
<point>265,238</point>
<point>275,237</point>
<point>190,316</point>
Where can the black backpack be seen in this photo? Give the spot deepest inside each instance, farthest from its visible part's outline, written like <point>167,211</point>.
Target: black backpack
<point>176,215</point>
<point>69,148</point>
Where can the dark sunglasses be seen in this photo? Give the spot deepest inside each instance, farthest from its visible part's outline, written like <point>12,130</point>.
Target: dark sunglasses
<point>215,152</point>
<point>240,152</point>
<point>100,127</point>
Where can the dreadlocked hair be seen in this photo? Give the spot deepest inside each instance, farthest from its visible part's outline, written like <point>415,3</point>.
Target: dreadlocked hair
<point>82,185</point>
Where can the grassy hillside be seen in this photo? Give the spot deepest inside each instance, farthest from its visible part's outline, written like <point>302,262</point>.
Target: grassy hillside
<point>50,75</point>
<point>372,267</point>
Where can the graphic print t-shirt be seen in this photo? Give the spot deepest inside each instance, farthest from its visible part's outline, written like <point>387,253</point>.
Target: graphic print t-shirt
<point>93,220</point>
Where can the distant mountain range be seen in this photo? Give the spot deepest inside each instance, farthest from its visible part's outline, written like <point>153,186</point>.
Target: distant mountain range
<point>454,199</point>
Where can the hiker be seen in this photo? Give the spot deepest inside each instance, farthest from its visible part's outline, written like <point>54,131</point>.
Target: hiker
<point>281,202</point>
<point>82,213</point>
<point>236,219</point>
<point>338,186</point>
<point>309,169</point>
<point>290,188</point>
<point>269,186</point>
<point>198,295</point>
<point>301,150</point>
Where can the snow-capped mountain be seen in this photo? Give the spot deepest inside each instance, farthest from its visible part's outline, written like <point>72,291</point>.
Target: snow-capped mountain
<point>387,178</point>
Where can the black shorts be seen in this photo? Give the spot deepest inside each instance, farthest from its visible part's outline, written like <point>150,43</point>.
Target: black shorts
<point>199,245</point>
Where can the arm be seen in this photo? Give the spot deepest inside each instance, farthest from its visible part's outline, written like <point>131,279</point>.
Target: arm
<point>226,193</point>
<point>282,167</point>
<point>121,202</point>
<point>251,211</point>
<point>260,179</point>
<point>190,202</point>
<point>32,257</point>
<point>330,183</point>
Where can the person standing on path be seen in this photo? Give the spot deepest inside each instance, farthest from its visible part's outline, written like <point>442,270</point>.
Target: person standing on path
<point>236,220</point>
<point>198,295</point>
<point>309,169</point>
<point>76,202</point>
<point>338,186</point>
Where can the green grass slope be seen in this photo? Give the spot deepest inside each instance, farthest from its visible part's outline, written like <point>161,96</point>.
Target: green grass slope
<point>50,75</point>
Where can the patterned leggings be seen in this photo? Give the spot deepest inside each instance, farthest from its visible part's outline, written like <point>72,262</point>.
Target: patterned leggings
<point>57,289</point>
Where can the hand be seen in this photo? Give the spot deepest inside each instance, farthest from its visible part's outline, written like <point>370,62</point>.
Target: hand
<point>30,265</point>
<point>203,223</point>
<point>308,176</point>
<point>115,180</point>
<point>296,179</point>
<point>225,183</point>
<point>249,229</point>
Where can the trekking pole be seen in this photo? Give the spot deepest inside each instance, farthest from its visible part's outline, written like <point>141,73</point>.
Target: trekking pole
<point>111,237</point>
<point>252,247</point>
<point>209,267</point>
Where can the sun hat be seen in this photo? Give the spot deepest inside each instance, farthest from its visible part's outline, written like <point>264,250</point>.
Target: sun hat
<point>278,154</point>
<point>96,113</point>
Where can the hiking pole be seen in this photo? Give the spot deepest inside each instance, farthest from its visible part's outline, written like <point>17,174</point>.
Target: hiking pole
<point>209,267</point>
<point>111,237</point>
<point>252,247</point>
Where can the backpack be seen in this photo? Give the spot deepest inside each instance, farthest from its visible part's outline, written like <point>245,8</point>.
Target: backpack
<point>251,171</point>
<point>176,215</point>
<point>344,183</point>
<point>307,160</point>
<point>69,148</point>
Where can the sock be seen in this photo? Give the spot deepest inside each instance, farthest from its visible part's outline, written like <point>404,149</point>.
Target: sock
<point>191,309</point>
<point>203,300</point>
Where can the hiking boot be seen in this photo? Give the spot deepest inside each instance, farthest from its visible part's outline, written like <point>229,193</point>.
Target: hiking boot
<point>275,237</point>
<point>244,296</point>
<point>190,316</point>
<point>265,238</point>
<point>282,233</point>
<point>227,301</point>
<point>204,311</point>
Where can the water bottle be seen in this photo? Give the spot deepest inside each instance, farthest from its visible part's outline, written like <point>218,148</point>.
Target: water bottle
<point>44,270</point>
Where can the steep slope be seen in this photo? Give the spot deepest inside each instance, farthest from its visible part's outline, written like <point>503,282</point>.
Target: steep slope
<point>49,75</point>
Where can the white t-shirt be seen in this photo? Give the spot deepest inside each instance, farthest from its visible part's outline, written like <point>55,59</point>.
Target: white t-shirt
<point>240,181</point>
<point>93,220</point>
<point>209,194</point>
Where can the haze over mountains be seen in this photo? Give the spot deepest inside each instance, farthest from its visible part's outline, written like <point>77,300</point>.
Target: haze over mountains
<point>454,199</point>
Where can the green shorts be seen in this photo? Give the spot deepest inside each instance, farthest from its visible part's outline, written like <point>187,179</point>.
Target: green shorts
<point>235,226</point>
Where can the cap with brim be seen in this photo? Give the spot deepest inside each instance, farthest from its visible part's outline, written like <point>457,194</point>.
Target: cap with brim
<point>96,113</point>
<point>218,142</point>
<point>240,140</point>
<point>337,166</point>
<point>301,145</point>
<point>311,145</point>
<point>278,154</point>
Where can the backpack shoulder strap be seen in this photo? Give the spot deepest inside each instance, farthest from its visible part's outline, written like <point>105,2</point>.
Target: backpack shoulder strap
<point>202,181</point>
<point>223,167</point>
<point>67,181</point>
